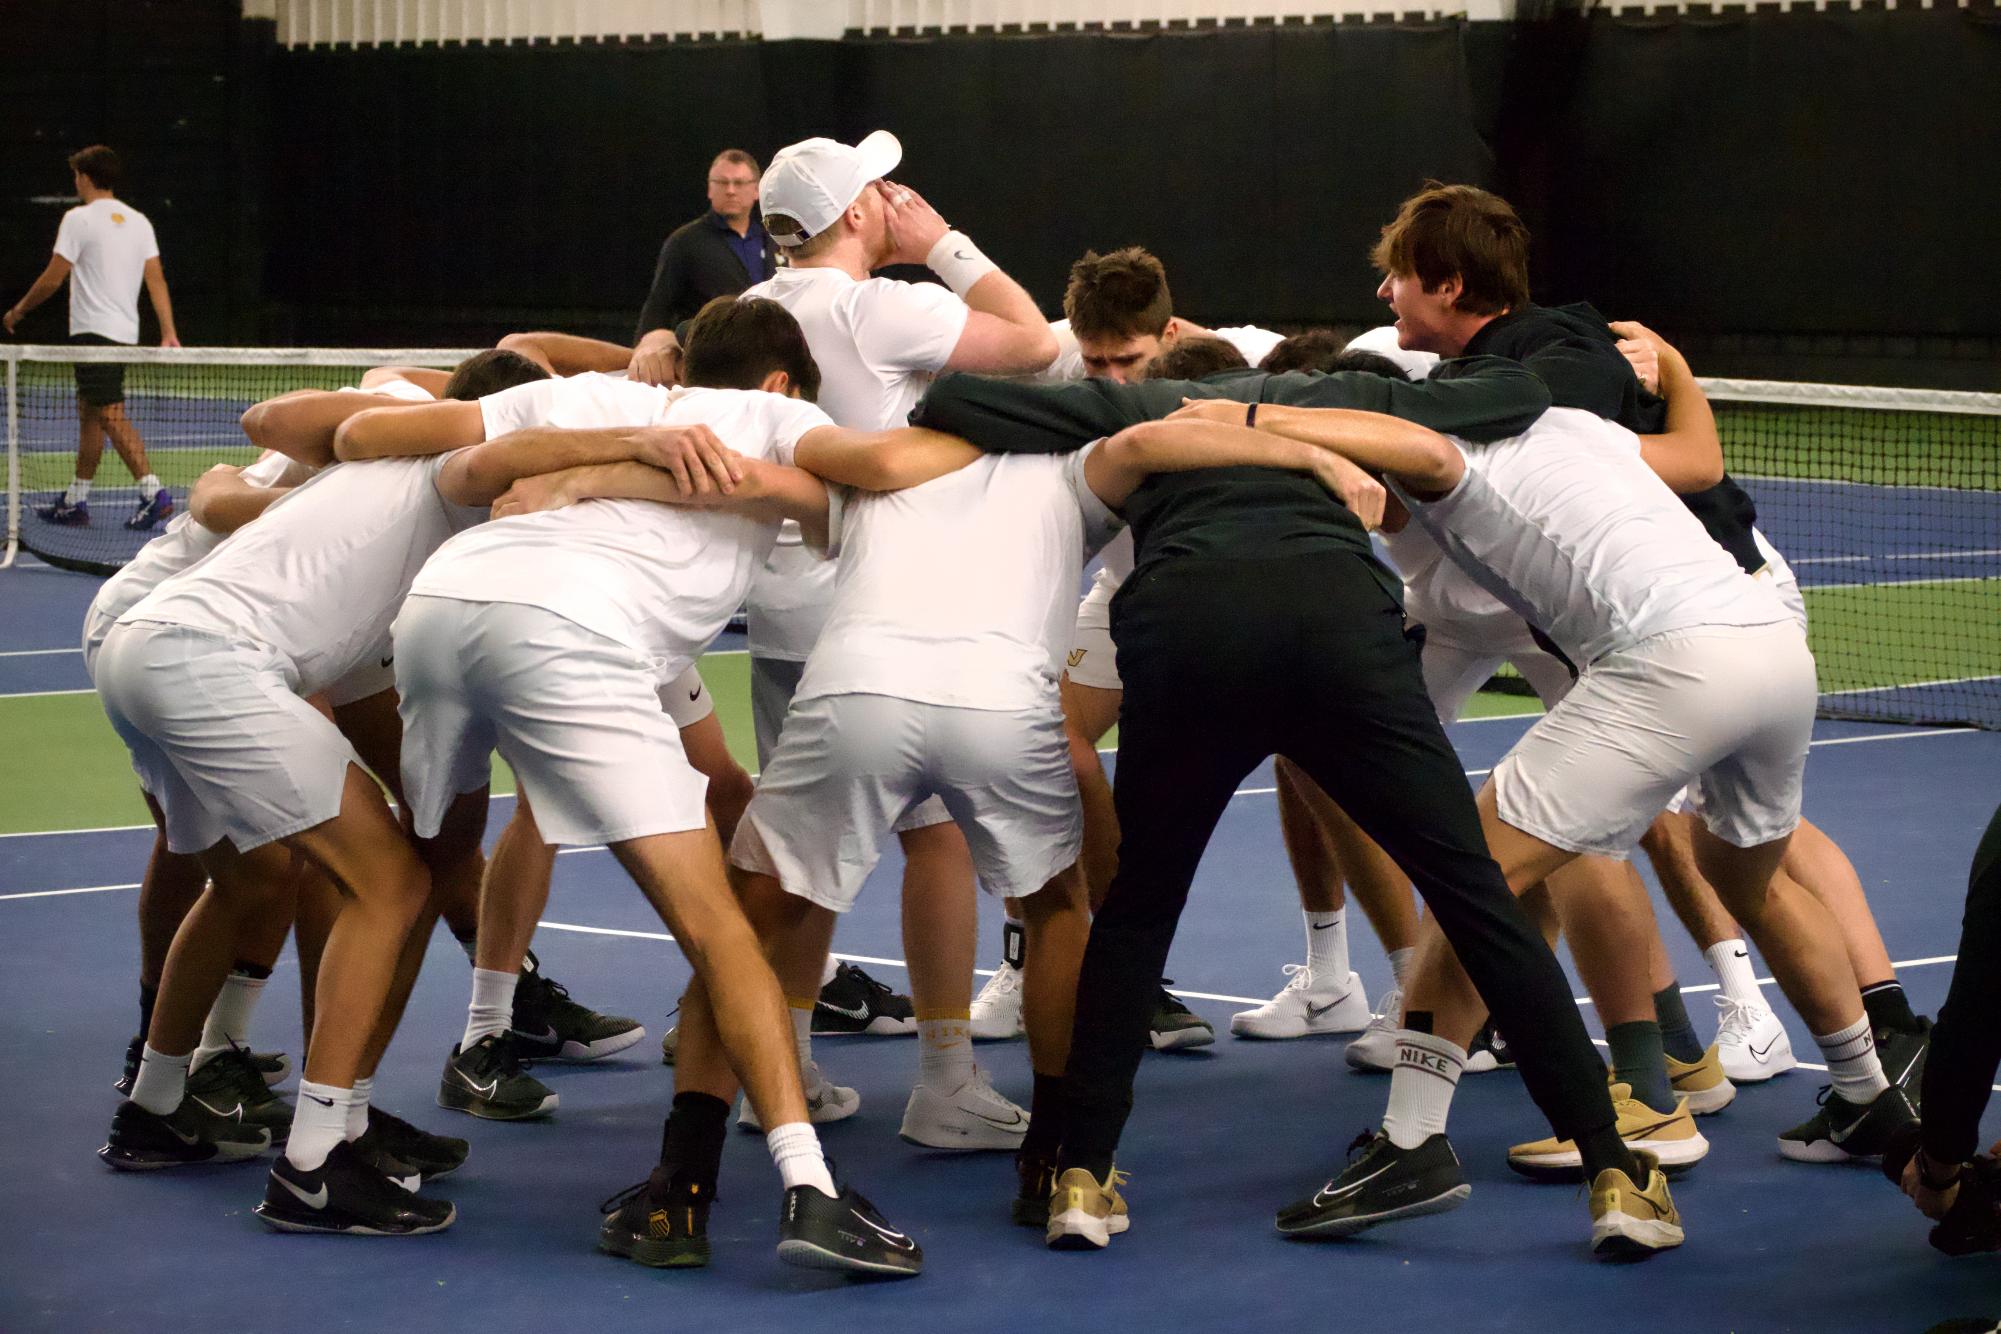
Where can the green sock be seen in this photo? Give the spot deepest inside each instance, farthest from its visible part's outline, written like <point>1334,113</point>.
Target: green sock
<point>1637,1059</point>
<point>1677,1033</point>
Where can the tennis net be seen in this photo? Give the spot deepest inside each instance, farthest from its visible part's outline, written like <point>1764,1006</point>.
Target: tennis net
<point>1886,502</point>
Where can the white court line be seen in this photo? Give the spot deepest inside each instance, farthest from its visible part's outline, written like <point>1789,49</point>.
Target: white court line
<point>38,652</point>
<point>1899,555</point>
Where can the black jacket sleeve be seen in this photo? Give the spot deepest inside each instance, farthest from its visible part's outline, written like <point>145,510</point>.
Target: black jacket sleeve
<point>1966,1043</point>
<point>1475,398</point>
<point>1020,417</point>
<point>667,296</point>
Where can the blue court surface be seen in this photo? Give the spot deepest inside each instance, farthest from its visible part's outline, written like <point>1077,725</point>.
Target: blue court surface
<point>1220,1137</point>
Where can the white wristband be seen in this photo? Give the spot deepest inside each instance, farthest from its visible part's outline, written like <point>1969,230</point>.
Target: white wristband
<point>959,262</point>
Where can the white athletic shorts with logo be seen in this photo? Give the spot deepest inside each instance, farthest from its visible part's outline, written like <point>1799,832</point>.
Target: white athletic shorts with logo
<point>218,737</point>
<point>1094,660</point>
<point>1784,582</point>
<point>576,715</point>
<point>849,767</point>
<point>1460,656</point>
<point>1727,710</point>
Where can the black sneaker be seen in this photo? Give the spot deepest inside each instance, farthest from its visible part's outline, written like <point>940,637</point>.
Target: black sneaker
<point>1035,1182</point>
<point>272,1065</point>
<point>489,1083</point>
<point>854,1002</point>
<point>1174,1026</point>
<point>1842,1132</point>
<point>1903,1056</point>
<point>228,1085</point>
<point>430,1155</point>
<point>549,1026</point>
<point>151,511</point>
<point>1490,1051</point>
<point>143,1141</point>
<point>1381,1184</point>
<point>133,1051</point>
<point>845,1233</point>
<point>657,1224</point>
<point>345,1194</point>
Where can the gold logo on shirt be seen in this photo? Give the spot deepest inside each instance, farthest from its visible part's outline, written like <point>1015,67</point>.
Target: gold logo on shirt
<point>118,218</point>
<point>1077,655</point>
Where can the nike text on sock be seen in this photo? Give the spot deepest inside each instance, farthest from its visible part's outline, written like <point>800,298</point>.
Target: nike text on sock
<point>1852,1065</point>
<point>1730,960</point>
<point>229,1018</point>
<point>357,1109</point>
<point>1421,1087</point>
<point>795,1150</point>
<point>945,1050</point>
<point>1327,946</point>
<point>318,1123</point>
<point>1400,962</point>
<point>162,1081</point>
<point>492,1007</point>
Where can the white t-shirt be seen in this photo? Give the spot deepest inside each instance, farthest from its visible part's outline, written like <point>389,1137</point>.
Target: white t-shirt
<point>107,243</point>
<point>395,388</point>
<point>661,579</point>
<point>877,343</point>
<point>575,402</point>
<point>959,592</point>
<point>1568,526</point>
<point>321,574</point>
<point>183,543</point>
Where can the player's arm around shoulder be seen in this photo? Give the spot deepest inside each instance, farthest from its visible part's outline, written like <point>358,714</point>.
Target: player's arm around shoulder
<point>881,460</point>
<point>1688,456</point>
<point>389,428</point>
<point>222,502</point>
<point>691,454</point>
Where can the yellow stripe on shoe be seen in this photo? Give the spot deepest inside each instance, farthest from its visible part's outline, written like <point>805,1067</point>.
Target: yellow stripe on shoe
<point>1703,1083</point>
<point>1670,1136</point>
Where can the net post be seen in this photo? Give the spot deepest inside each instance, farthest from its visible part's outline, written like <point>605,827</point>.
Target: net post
<point>13,463</point>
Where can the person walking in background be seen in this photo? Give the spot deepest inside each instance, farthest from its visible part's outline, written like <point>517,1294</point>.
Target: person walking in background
<point>106,248</point>
<point>718,254</point>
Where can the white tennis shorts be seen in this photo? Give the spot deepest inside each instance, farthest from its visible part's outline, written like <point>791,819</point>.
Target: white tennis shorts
<point>218,737</point>
<point>1461,656</point>
<point>849,767</point>
<point>1728,708</point>
<point>1093,658</point>
<point>576,715</point>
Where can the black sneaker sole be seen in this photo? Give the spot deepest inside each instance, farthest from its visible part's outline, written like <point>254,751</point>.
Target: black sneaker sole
<point>1352,1224</point>
<point>880,1026</point>
<point>319,1223</point>
<point>572,1052</point>
<point>654,1252</point>
<point>155,1160</point>
<point>811,1255</point>
<point>459,1100</point>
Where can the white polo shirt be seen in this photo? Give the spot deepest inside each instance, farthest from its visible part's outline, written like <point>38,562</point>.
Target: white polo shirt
<point>1567,525</point>
<point>662,580</point>
<point>877,343</point>
<point>961,591</point>
<point>107,243</point>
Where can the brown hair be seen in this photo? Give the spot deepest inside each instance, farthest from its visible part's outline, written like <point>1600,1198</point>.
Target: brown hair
<point>99,163</point>
<point>489,372</point>
<point>1313,350</point>
<point>1195,359</point>
<point>740,158</point>
<point>1462,231</point>
<point>779,225</point>
<point>1120,295</point>
<point>735,342</point>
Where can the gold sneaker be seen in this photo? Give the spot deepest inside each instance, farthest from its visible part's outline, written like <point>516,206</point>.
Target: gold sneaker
<point>1670,1136</point>
<point>1630,1220</point>
<point>1085,1213</point>
<point>1703,1083</point>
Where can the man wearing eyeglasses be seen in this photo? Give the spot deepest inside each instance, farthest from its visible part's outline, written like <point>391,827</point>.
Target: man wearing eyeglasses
<point>718,254</point>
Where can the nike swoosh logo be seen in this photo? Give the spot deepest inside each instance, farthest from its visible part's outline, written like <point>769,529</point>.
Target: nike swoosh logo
<point>236,1111</point>
<point>1909,1066</point>
<point>1015,1122</point>
<point>1328,1195</point>
<point>546,1035</point>
<point>1329,927</point>
<point>324,1102</point>
<point>861,1013</point>
<point>696,693</point>
<point>1643,1131</point>
<point>1759,1052</point>
<point>896,1239</point>
<point>960,254</point>
<point>484,1090</point>
<point>387,661</point>
<point>1315,1011</point>
<point>183,1136</point>
<point>316,1200</point>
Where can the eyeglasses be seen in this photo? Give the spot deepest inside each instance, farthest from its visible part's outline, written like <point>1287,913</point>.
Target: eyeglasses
<point>720,183</point>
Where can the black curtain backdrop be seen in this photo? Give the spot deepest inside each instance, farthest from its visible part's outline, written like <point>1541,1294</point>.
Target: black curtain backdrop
<point>1790,193</point>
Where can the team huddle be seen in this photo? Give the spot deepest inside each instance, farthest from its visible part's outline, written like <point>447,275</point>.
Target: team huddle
<point>903,484</point>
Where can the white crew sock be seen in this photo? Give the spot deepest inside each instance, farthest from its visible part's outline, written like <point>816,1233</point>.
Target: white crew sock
<point>945,1052</point>
<point>827,973</point>
<point>357,1110</point>
<point>1421,1086</point>
<point>1327,947</point>
<point>318,1123</point>
<point>228,1021</point>
<point>1852,1064</point>
<point>1400,962</point>
<point>492,1008</point>
<point>78,492</point>
<point>149,486</point>
<point>162,1081</point>
<point>1730,960</point>
<point>795,1149</point>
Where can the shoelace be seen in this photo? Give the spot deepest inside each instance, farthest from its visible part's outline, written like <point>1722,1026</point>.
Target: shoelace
<point>1736,1022</point>
<point>874,990</point>
<point>624,1197</point>
<point>1360,1144</point>
<point>1004,982</point>
<point>1389,1009</point>
<point>1301,975</point>
<point>243,1077</point>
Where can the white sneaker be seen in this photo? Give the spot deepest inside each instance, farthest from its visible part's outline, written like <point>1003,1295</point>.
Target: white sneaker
<point>997,1009</point>
<point>825,1101</point>
<point>1376,1048</point>
<point>971,1118</point>
<point>1302,1008</point>
<point>1751,1042</point>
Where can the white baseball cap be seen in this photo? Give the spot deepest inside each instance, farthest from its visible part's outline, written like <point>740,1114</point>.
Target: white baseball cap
<point>813,181</point>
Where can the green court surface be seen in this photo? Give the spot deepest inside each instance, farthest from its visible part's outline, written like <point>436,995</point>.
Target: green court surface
<point>1866,636</point>
<point>69,770</point>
